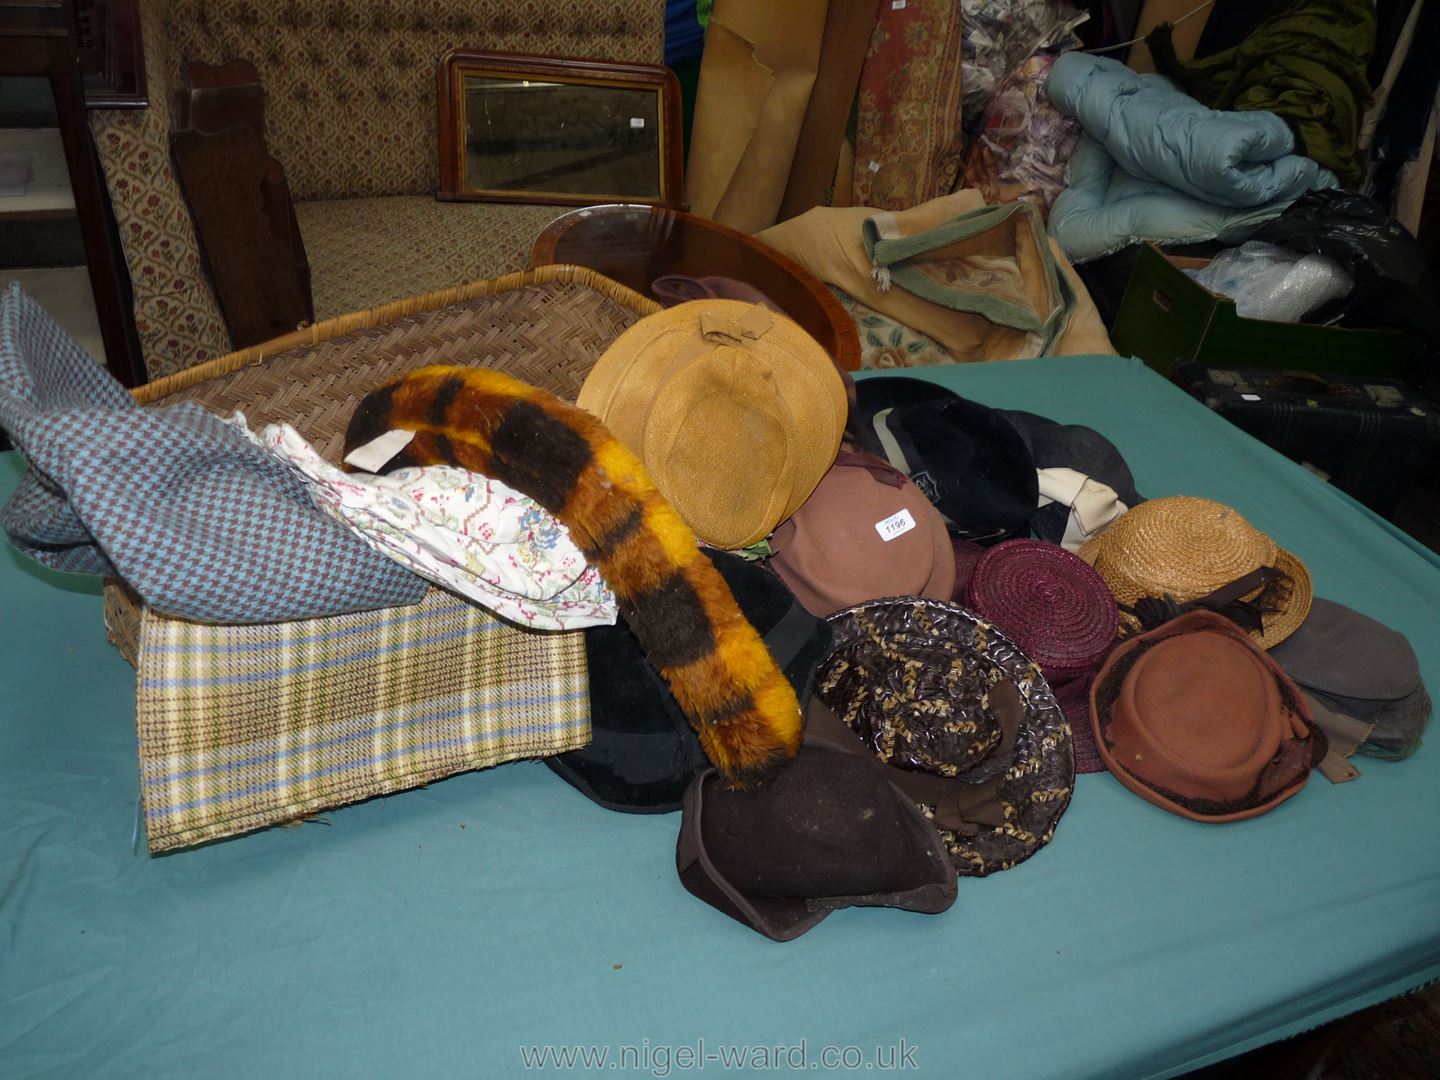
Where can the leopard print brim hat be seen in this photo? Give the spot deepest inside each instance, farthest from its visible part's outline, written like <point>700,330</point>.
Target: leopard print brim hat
<point>923,682</point>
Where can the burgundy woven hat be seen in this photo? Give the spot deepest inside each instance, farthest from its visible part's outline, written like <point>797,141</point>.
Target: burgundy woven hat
<point>1061,613</point>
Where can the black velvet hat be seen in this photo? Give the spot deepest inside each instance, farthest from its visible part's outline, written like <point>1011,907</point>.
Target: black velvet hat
<point>643,751</point>
<point>967,458</point>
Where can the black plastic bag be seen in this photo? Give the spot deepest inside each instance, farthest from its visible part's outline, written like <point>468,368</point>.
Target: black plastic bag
<point>1393,287</point>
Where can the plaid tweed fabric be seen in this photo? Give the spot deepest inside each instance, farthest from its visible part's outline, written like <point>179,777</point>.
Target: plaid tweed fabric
<point>246,726</point>
<point>198,521</point>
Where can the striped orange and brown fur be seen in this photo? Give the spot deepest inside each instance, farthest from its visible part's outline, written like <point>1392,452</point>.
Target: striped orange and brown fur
<point>669,593</point>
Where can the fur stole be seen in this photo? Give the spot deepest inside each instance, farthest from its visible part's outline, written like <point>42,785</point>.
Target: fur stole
<point>669,593</point>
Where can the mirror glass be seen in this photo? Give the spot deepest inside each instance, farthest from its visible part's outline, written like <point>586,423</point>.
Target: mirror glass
<point>536,135</point>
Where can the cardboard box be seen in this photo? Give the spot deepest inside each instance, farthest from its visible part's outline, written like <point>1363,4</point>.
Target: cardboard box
<point>1165,318</point>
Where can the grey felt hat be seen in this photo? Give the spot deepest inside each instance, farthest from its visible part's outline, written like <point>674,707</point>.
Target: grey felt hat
<point>1360,668</point>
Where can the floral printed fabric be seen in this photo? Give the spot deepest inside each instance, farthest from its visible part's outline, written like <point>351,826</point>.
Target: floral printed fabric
<point>885,343</point>
<point>999,34</point>
<point>1026,141</point>
<point>908,142</point>
<point>466,532</point>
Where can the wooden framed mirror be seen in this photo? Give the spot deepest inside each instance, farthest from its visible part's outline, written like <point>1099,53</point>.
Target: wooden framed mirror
<point>539,129</point>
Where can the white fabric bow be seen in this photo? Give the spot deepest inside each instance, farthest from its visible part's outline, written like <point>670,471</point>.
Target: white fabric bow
<point>1093,505</point>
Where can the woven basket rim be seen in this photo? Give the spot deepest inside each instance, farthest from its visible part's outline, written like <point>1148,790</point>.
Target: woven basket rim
<point>352,322</point>
<point>124,609</point>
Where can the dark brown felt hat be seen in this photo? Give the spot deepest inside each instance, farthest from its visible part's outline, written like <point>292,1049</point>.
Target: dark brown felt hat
<point>828,831</point>
<point>1196,718</point>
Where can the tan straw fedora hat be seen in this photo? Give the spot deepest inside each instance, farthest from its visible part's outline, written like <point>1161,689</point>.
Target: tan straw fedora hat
<point>735,411</point>
<point>1197,551</point>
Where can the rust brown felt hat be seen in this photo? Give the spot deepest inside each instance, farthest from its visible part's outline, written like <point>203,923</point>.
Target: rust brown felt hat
<point>735,411</point>
<point>1196,718</point>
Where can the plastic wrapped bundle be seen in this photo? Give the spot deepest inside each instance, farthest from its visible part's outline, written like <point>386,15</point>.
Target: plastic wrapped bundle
<point>1272,283</point>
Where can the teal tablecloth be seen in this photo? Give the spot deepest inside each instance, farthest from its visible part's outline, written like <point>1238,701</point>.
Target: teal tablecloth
<point>442,931</point>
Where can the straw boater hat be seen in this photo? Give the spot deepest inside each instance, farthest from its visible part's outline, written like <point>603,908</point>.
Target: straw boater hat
<point>967,718</point>
<point>735,411</point>
<point>1197,551</point>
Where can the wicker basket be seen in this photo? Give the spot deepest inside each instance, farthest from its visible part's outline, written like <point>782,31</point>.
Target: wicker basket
<point>546,327</point>
<point>245,726</point>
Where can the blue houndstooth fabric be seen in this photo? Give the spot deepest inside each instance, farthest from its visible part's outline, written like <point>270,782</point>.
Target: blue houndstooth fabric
<point>199,522</point>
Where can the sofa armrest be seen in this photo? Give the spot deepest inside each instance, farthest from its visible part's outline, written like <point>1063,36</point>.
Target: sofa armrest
<point>177,318</point>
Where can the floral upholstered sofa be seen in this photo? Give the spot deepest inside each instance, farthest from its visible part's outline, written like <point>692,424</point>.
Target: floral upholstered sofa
<point>350,107</point>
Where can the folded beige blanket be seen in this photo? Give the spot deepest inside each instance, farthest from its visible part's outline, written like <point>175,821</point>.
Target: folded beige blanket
<point>828,241</point>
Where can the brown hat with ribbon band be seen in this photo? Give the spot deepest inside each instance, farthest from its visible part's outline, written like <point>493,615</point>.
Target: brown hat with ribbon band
<point>1195,718</point>
<point>965,716</point>
<point>1169,554</point>
<point>866,532</point>
<point>735,411</point>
